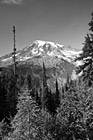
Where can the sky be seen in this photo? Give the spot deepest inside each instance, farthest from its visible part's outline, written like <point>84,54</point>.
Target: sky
<point>60,21</point>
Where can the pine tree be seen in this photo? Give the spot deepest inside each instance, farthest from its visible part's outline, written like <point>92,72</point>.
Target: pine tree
<point>29,123</point>
<point>85,108</point>
<point>29,81</point>
<point>5,129</point>
<point>87,57</point>
<point>75,113</point>
<point>44,88</point>
<point>8,98</point>
<point>37,97</point>
<point>3,92</point>
<point>24,118</point>
<point>50,103</point>
<point>57,96</point>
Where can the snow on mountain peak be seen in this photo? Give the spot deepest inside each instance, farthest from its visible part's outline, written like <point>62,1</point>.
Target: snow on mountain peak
<point>40,42</point>
<point>46,48</point>
<point>51,49</point>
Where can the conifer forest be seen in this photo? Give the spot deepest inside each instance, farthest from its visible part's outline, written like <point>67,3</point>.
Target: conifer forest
<point>39,113</point>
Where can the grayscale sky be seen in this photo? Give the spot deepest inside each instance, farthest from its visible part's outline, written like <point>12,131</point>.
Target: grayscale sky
<point>61,21</point>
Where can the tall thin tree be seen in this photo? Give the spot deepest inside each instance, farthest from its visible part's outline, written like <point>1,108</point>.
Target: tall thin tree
<point>14,67</point>
<point>44,87</point>
<point>14,51</point>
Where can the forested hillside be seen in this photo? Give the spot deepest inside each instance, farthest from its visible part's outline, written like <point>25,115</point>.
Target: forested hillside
<point>29,112</point>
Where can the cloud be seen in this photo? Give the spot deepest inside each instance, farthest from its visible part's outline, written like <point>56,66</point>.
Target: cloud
<point>16,2</point>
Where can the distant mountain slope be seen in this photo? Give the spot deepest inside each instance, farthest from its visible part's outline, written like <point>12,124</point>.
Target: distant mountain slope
<point>58,59</point>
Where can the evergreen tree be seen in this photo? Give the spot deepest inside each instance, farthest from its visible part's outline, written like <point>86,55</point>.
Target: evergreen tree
<point>50,103</point>
<point>67,83</point>
<point>85,107</point>
<point>57,96</point>
<point>74,115</point>
<point>91,26</point>
<point>37,97</point>
<point>29,123</point>
<point>5,129</point>
<point>44,88</point>
<point>8,94</point>
<point>3,104</point>
<point>87,57</point>
<point>29,81</point>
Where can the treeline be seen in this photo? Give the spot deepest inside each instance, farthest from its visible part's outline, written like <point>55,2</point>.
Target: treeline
<point>29,113</point>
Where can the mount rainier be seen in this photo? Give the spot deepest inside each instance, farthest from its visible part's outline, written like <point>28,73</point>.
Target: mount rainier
<point>58,59</point>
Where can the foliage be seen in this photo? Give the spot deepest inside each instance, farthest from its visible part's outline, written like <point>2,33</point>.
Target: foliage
<point>44,88</point>
<point>8,93</point>
<point>86,57</point>
<point>74,116</point>
<point>30,121</point>
<point>57,96</point>
<point>5,129</point>
<point>50,103</point>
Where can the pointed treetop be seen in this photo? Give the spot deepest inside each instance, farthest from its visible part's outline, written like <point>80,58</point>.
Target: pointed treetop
<point>56,84</point>
<point>91,24</point>
<point>44,66</point>
<point>14,29</point>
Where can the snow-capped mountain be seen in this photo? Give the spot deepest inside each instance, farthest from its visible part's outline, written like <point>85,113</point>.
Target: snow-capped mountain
<point>44,48</point>
<point>58,59</point>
